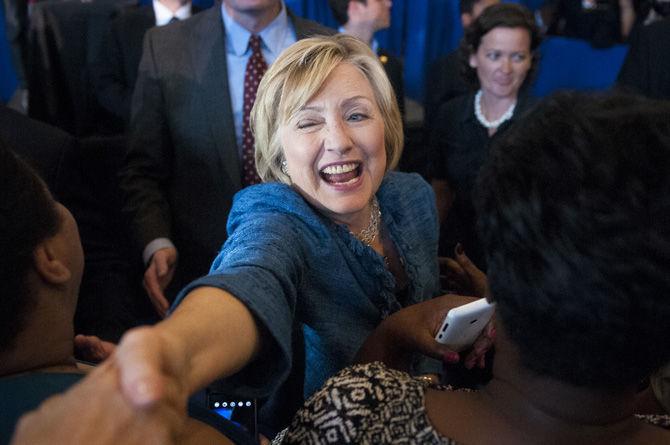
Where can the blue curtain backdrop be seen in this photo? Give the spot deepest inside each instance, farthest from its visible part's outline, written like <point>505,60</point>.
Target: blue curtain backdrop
<point>421,31</point>
<point>8,80</point>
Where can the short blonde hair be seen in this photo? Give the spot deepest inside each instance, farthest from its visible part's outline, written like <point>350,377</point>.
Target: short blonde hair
<point>296,76</point>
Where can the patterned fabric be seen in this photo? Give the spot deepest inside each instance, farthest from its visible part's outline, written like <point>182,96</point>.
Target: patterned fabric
<point>372,404</point>
<point>365,404</point>
<point>256,67</point>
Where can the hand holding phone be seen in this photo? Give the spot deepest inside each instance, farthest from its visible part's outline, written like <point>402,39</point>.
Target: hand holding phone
<point>463,324</point>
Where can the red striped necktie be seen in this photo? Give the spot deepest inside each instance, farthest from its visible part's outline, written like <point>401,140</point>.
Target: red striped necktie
<point>256,67</point>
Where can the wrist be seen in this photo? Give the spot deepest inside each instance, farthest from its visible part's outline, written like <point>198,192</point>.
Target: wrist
<point>176,354</point>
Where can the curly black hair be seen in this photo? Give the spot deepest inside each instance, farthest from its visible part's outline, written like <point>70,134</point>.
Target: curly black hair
<point>27,217</point>
<point>574,214</point>
<point>504,15</point>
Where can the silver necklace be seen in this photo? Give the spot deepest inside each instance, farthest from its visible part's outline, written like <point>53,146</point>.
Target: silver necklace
<point>368,234</point>
<point>507,115</point>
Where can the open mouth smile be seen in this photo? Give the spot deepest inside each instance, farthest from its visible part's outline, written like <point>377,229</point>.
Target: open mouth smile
<point>341,174</point>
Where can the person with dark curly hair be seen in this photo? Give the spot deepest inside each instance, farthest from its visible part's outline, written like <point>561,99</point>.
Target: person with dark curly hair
<point>498,53</point>
<point>574,213</point>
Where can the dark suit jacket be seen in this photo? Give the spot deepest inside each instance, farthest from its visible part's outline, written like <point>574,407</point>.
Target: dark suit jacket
<point>443,83</point>
<point>44,147</point>
<point>646,68</point>
<point>65,37</point>
<point>115,70</point>
<point>182,168</point>
<point>394,70</point>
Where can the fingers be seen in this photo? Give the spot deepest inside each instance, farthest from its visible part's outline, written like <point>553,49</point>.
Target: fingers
<point>92,348</point>
<point>160,260</point>
<point>454,270</point>
<point>477,356</point>
<point>477,277</point>
<point>440,352</point>
<point>139,360</point>
<point>155,290</point>
<point>463,260</point>
<point>431,348</point>
<point>158,276</point>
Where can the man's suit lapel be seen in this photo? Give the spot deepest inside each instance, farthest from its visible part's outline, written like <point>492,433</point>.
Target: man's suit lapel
<point>209,60</point>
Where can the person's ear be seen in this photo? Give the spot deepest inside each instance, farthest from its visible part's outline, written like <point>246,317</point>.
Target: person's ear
<point>48,264</point>
<point>354,9</point>
<point>466,20</point>
<point>472,61</point>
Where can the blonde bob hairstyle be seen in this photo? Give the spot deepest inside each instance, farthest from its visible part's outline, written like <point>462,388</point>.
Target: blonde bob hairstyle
<point>296,76</point>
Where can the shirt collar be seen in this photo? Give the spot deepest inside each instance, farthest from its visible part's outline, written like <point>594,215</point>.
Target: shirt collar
<point>164,15</point>
<point>237,37</point>
<point>374,45</point>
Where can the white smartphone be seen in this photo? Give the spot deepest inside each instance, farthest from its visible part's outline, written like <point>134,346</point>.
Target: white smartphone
<point>463,324</point>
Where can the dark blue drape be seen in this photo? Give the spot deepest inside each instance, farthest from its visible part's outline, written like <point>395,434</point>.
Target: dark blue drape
<point>8,82</point>
<point>421,30</point>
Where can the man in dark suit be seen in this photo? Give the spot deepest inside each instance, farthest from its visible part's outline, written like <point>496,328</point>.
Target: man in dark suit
<point>184,162</point>
<point>363,18</point>
<point>646,68</point>
<point>115,70</point>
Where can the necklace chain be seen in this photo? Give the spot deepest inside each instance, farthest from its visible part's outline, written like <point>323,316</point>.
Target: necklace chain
<point>507,115</point>
<point>369,233</point>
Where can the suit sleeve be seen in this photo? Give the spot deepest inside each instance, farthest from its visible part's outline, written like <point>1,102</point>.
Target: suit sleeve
<point>112,91</point>
<point>148,163</point>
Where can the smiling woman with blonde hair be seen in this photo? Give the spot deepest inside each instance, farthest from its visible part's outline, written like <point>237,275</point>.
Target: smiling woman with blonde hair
<point>330,245</point>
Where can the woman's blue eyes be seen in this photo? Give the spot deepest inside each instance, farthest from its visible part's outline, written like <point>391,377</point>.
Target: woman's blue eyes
<point>516,57</point>
<point>303,125</point>
<point>354,117</point>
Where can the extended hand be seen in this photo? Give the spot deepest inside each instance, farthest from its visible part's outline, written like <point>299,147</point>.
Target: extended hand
<point>96,412</point>
<point>158,276</point>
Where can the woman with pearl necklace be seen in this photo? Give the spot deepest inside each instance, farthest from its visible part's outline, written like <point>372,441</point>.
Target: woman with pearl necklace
<point>498,53</point>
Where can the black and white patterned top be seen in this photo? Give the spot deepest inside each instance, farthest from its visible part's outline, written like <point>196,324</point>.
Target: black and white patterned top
<point>372,404</point>
<point>365,404</point>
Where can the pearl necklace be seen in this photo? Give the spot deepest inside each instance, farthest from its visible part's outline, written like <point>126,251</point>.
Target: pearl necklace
<point>507,115</point>
<point>368,234</point>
